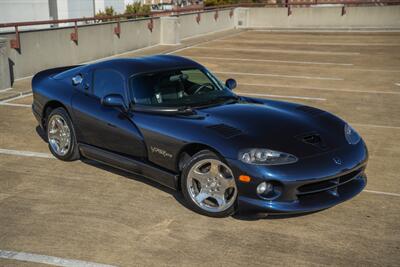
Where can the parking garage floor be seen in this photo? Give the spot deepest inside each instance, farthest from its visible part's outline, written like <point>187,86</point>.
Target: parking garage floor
<point>87,212</point>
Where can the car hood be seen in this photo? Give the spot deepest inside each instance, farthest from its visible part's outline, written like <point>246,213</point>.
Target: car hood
<point>300,130</point>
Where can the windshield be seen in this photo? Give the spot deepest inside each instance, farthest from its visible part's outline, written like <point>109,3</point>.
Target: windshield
<point>178,88</point>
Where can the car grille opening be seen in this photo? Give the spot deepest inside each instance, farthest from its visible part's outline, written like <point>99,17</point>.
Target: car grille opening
<point>329,184</point>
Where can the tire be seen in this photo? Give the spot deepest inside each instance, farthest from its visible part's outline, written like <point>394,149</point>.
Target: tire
<point>61,136</point>
<point>208,185</point>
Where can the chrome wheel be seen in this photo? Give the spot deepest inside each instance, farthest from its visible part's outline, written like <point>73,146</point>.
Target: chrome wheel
<point>59,135</point>
<point>211,185</point>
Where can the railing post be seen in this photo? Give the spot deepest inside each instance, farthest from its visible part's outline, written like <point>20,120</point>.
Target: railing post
<point>343,10</point>
<point>198,18</point>
<point>289,10</point>
<point>74,35</point>
<point>216,15</point>
<point>117,29</point>
<point>15,43</point>
<point>150,25</point>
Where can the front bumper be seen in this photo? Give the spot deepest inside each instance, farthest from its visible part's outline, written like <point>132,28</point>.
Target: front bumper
<point>311,184</point>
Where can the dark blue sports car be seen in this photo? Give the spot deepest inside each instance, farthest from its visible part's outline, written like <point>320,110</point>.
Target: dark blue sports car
<point>170,119</point>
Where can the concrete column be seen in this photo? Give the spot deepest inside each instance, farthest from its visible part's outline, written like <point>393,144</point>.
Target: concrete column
<point>5,79</point>
<point>169,31</point>
<point>241,17</point>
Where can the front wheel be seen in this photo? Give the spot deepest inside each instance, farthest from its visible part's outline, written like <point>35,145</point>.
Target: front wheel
<point>61,135</point>
<point>208,185</point>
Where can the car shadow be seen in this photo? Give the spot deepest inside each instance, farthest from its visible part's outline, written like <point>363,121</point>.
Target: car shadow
<point>136,177</point>
<point>179,198</point>
<point>243,216</point>
<point>176,194</point>
<point>264,216</point>
<point>41,133</point>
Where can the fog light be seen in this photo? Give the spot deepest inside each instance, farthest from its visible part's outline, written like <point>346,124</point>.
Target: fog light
<point>269,190</point>
<point>264,188</point>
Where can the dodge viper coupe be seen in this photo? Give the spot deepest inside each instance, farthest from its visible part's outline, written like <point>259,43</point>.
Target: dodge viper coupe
<point>171,120</point>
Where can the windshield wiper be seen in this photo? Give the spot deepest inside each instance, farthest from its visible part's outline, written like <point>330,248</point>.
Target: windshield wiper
<point>184,110</point>
<point>221,99</point>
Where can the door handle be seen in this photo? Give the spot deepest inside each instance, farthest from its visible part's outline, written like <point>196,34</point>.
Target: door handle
<point>111,125</point>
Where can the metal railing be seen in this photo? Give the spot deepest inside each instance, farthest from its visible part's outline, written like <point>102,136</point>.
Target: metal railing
<point>16,43</point>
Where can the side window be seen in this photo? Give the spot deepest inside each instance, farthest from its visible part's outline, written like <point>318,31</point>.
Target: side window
<point>107,82</point>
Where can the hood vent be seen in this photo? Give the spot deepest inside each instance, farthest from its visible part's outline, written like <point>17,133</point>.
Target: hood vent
<point>310,110</point>
<point>313,139</point>
<point>225,130</point>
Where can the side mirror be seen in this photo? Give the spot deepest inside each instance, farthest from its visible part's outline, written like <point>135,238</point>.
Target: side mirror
<point>231,84</point>
<point>77,79</point>
<point>114,100</point>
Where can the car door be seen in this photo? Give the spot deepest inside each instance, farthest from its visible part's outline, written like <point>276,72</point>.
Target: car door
<point>105,127</point>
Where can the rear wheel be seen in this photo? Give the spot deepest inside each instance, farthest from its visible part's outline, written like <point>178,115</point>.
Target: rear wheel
<point>208,185</point>
<point>61,135</point>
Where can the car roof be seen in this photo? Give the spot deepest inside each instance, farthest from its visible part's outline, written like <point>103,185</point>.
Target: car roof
<point>132,66</point>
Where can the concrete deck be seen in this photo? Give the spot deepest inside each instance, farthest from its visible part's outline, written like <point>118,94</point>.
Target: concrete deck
<point>90,212</point>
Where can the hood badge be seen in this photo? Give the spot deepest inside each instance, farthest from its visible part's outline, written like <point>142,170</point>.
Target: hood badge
<point>337,160</point>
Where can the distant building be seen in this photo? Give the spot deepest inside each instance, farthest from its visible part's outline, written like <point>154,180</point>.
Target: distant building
<point>33,10</point>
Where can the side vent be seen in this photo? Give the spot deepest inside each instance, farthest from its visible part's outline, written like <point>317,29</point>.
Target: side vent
<point>310,110</point>
<point>225,130</point>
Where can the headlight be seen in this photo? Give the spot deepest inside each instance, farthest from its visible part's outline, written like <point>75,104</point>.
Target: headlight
<point>262,156</point>
<point>351,135</point>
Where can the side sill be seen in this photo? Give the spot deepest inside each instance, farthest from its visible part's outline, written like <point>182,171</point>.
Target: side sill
<point>130,165</point>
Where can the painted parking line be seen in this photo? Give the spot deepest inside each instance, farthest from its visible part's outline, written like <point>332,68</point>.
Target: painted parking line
<point>311,43</point>
<point>382,193</point>
<point>376,126</point>
<point>319,88</point>
<point>280,75</point>
<point>26,153</point>
<point>296,62</point>
<point>51,260</point>
<point>274,61</point>
<point>15,105</point>
<point>283,51</point>
<point>283,96</point>
<point>21,95</point>
<point>200,43</point>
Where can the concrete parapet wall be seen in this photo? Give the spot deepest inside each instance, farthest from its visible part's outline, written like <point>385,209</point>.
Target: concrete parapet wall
<point>5,81</point>
<point>384,17</point>
<point>51,48</point>
<point>208,23</point>
<point>48,48</point>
